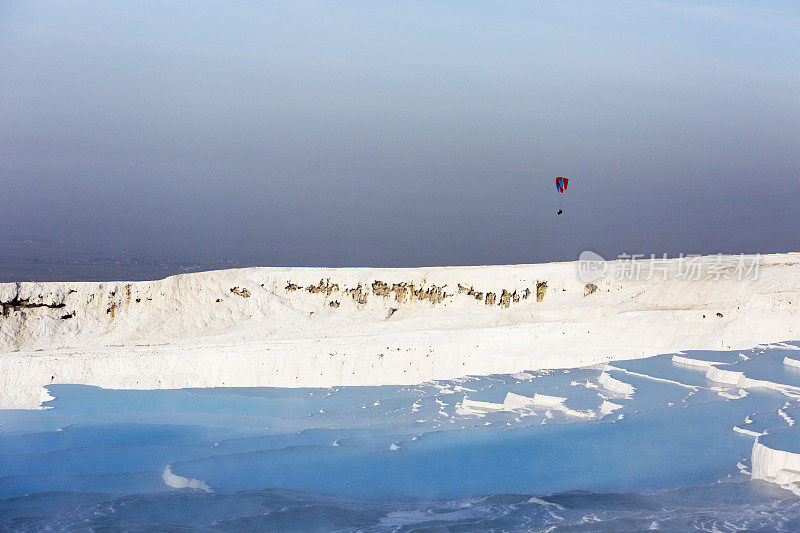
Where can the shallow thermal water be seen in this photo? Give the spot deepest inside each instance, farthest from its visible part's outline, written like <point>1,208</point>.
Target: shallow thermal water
<point>642,444</point>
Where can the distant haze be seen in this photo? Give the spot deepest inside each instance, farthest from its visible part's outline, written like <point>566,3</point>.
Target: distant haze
<point>401,133</point>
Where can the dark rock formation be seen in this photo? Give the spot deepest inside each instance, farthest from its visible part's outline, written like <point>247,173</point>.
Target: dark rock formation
<point>541,289</point>
<point>243,292</point>
<point>324,286</point>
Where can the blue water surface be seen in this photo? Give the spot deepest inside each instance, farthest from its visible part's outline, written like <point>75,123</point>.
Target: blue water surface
<point>405,458</point>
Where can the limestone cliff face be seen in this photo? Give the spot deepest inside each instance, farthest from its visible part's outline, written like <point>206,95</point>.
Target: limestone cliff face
<point>256,304</point>
<point>320,327</point>
<point>229,302</point>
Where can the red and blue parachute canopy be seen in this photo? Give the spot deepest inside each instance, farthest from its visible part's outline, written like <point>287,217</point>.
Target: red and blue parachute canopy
<point>561,184</point>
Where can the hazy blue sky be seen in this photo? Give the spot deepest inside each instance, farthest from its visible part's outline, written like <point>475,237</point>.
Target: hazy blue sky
<point>402,133</point>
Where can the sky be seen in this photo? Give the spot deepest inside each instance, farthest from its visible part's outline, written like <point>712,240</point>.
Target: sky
<point>367,133</point>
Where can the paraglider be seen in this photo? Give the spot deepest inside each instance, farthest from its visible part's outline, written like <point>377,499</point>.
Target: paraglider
<point>561,186</point>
